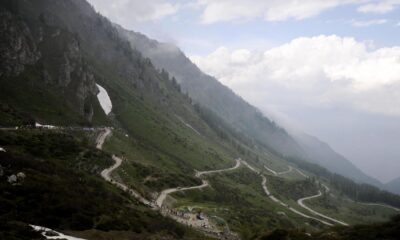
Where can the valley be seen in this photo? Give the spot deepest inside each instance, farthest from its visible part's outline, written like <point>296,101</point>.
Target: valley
<point>103,137</point>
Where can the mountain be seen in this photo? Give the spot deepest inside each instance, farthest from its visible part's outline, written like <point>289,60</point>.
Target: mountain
<point>60,190</point>
<point>325,156</point>
<point>78,49</point>
<point>47,64</point>
<point>53,56</point>
<point>393,186</point>
<point>209,92</point>
<point>159,165</point>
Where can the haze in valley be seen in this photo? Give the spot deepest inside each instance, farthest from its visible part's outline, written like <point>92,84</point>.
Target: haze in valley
<point>328,68</point>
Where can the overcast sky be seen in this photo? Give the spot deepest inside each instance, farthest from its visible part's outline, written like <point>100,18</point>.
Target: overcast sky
<point>329,67</point>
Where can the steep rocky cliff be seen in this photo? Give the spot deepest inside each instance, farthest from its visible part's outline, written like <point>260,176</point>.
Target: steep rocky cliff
<point>66,48</point>
<point>45,56</point>
<point>17,47</point>
<point>64,66</point>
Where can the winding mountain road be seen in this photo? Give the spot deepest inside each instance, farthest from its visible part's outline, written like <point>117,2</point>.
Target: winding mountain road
<point>199,174</point>
<point>376,204</point>
<point>166,192</point>
<point>106,173</point>
<point>102,138</point>
<point>301,203</point>
<point>273,198</point>
<point>279,173</point>
<point>301,200</point>
<point>381,205</point>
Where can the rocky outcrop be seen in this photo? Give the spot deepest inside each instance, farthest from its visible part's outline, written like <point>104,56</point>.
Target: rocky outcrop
<point>76,77</point>
<point>54,51</point>
<point>17,47</point>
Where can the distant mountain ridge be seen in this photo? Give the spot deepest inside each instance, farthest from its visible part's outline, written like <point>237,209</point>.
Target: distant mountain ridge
<point>54,55</point>
<point>209,92</point>
<point>393,186</point>
<point>325,156</point>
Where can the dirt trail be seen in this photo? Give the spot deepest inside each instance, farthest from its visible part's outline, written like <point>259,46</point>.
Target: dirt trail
<point>279,173</point>
<point>301,200</point>
<point>166,192</point>
<point>273,198</point>
<point>157,205</point>
<point>106,173</point>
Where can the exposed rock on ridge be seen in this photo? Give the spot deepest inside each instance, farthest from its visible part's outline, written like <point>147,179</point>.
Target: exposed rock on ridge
<point>17,47</point>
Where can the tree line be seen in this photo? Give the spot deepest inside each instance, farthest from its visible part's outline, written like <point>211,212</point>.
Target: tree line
<point>356,191</point>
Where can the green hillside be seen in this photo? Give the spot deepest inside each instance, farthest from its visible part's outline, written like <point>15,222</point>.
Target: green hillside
<point>164,139</point>
<point>63,190</point>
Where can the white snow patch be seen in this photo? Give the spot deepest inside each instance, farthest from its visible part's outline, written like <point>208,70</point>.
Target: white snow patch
<point>104,99</point>
<point>59,235</point>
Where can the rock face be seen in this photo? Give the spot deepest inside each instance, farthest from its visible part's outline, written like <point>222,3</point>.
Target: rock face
<point>76,47</point>
<point>54,52</point>
<point>70,72</point>
<point>17,47</point>
<point>12,179</point>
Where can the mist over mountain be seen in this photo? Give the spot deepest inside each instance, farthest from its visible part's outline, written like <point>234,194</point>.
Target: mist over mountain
<point>210,93</point>
<point>107,134</point>
<point>393,186</point>
<point>325,156</point>
<point>232,108</point>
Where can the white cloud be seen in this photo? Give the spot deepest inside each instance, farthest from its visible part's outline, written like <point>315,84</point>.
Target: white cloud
<point>358,23</point>
<point>127,11</point>
<point>380,7</point>
<point>271,10</point>
<point>318,71</point>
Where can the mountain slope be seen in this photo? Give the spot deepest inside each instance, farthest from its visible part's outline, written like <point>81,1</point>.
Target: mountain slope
<point>393,186</point>
<point>325,156</point>
<point>209,92</point>
<point>147,105</point>
<point>47,64</point>
<point>159,140</point>
<point>150,114</point>
<point>51,163</point>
